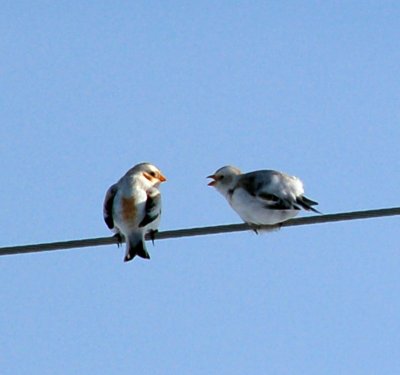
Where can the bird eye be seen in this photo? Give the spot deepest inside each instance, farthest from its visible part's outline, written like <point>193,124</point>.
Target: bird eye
<point>153,174</point>
<point>221,177</point>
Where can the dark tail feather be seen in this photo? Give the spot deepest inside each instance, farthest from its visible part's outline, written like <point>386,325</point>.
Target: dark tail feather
<point>134,248</point>
<point>307,204</point>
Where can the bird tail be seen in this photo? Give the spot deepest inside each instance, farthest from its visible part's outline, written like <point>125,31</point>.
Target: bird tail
<point>135,246</point>
<point>307,204</point>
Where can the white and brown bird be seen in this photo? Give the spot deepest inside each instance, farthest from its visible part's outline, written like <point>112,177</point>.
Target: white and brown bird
<point>263,197</point>
<point>132,207</point>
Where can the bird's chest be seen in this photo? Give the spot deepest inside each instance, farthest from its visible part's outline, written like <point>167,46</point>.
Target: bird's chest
<point>129,206</point>
<point>243,202</point>
<point>256,211</point>
<point>128,209</point>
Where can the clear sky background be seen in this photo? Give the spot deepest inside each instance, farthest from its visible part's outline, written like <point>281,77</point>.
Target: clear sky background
<point>88,89</point>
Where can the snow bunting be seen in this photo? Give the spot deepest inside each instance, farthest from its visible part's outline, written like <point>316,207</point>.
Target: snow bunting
<point>132,207</point>
<point>262,197</point>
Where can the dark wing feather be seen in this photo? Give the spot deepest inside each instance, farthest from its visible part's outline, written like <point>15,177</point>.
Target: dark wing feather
<point>152,208</point>
<point>275,203</point>
<point>253,184</point>
<point>108,206</point>
<point>307,204</point>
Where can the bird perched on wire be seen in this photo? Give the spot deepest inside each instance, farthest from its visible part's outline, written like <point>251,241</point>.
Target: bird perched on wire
<point>262,197</point>
<point>132,207</point>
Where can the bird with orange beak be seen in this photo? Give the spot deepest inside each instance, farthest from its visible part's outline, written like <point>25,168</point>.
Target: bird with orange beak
<point>132,207</point>
<point>264,197</point>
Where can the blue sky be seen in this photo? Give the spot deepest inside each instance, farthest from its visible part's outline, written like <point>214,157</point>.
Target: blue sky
<point>91,88</point>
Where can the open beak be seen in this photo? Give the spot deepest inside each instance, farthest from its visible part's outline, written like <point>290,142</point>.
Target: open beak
<point>212,183</point>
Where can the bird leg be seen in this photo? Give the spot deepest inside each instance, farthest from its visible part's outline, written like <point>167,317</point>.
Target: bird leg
<point>253,227</point>
<point>119,238</point>
<point>152,235</point>
<point>257,229</point>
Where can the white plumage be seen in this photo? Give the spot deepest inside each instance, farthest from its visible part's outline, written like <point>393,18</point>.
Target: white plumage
<point>132,207</point>
<point>262,197</point>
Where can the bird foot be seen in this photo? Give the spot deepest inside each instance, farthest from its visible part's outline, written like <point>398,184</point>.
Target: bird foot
<point>119,238</point>
<point>254,227</point>
<point>152,234</point>
<point>257,229</point>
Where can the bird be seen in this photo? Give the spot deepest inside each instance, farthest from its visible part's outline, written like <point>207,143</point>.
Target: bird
<point>132,208</point>
<point>264,197</point>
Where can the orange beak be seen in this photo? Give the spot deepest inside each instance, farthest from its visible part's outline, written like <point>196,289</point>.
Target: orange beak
<point>158,177</point>
<point>212,183</point>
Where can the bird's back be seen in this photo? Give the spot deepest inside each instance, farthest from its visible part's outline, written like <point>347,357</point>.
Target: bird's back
<point>271,182</point>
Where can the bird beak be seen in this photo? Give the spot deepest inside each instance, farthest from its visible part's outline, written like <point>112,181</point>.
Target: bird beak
<point>160,177</point>
<point>212,183</point>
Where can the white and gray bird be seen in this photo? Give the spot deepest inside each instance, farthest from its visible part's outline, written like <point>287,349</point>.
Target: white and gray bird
<point>132,207</point>
<point>263,197</point>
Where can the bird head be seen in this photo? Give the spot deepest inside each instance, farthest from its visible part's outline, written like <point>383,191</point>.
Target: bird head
<point>224,178</point>
<point>150,172</point>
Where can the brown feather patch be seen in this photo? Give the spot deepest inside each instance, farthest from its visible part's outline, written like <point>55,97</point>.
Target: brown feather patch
<point>128,209</point>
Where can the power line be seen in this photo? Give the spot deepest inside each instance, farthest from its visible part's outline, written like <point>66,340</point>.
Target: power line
<point>202,231</point>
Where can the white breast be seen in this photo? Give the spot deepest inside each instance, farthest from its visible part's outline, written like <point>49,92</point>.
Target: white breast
<point>252,210</point>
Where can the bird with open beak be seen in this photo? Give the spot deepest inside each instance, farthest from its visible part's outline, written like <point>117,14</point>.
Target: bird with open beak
<point>264,197</point>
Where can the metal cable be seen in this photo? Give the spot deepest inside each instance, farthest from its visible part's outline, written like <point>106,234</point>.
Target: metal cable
<point>202,231</point>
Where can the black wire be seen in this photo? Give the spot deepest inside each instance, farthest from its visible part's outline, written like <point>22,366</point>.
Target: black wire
<point>202,231</point>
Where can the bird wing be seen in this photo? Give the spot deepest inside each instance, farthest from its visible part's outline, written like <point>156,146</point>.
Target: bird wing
<point>152,207</point>
<point>273,189</point>
<point>307,204</point>
<point>108,206</point>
